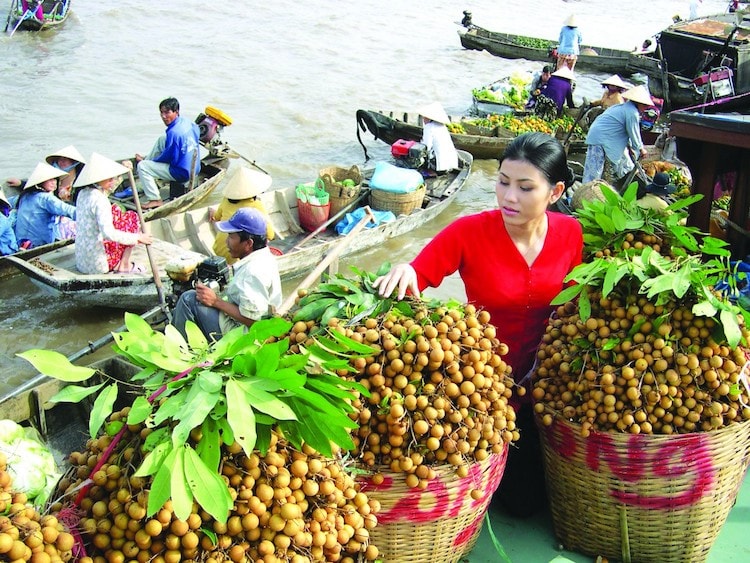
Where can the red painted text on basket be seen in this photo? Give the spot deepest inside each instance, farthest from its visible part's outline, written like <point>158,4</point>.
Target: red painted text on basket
<point>635,462</point>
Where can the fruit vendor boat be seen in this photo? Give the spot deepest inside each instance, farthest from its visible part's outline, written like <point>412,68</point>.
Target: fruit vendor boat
<point>25,15</point>
<point>510,46</point>
<point>698,60</point>
<point>481,143</point>
<point>299,251</point>
<point>177,198</point>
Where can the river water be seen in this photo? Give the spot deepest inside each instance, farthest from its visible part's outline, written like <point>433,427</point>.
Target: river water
<point>291,75</point>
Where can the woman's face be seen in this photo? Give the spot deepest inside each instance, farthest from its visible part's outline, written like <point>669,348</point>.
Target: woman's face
<point>107,185</point>
<point>523,192</point>
<point>49,185</point>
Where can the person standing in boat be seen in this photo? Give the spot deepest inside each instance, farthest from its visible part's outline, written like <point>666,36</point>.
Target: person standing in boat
<point>569,43</point>
<point>437,139</point>
<point>242,190</point>
<point>512,261</point>
<point>95,222</point>
<point>37,207</point>
<point>172,155</point>
<point>255,286</point>
<point>559,89</point>
<point>612,134</point>
<point>8,243</point>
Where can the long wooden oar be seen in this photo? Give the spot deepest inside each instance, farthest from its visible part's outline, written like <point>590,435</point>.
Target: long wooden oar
<point>337,249</point>
<point>151,261</point>
<point>252,162</point>
<point>22,19</point>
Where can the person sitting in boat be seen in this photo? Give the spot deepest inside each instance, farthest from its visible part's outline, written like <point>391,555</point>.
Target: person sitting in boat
<point>569,44</point>
<point>441,153</point>
<point>96,225</point>
<point>67,159</point>
<point>255,286</point>
<point>172,155</point>
<point>8,243</point>
<point>466,20</point>
<point>559,89</point>
<point>37,207</point>
<point>612,95</point>
<point>38,10</point>
<point>612,134</point>
<point>539,79</point>
<point>242,190</point>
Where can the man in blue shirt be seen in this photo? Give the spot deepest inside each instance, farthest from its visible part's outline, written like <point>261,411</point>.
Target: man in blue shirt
<point>172,155</point>
<point>612,133</point>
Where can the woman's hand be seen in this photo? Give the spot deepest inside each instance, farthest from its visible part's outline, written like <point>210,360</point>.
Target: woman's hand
<point>145,238</point>
<point>402,276</point>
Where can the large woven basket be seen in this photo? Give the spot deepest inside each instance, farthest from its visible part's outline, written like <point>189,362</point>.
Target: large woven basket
<point>440,524</point>
<point>643,498</point>
<point>399,204</point>
<point>340,196</point>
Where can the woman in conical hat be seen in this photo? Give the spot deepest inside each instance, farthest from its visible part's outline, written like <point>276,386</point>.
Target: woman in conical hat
<point>242,190</point>
<point>38,207</point>
<point>612,95</point>
<point>569,43</point>
<point>69,160</point>
<point>441,153</point>
<point>100,222</point>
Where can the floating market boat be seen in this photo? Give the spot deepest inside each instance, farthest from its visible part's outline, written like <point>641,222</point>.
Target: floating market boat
<point>54,271</point>
<point>480,142</point>
<point>699,60</point>
<point>36,15</point>
<point>298,251</point>
<point>510,46</point>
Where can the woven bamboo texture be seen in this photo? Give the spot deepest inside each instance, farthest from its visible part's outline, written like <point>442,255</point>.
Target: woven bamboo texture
<point>440,524</point>
<point>399,204</point>
<point>643,498</point>
<point>340,195</point>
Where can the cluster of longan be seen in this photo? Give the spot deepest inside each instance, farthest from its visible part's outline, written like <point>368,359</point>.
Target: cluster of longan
<point>288,506</point>
<point>439,390</point>
<point>26,535</point>
<point>635,366</point>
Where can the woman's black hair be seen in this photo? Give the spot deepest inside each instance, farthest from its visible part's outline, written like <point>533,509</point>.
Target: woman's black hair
<point>545,153</point>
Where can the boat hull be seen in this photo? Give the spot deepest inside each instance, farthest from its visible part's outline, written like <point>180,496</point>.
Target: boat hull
<point>55,14</point>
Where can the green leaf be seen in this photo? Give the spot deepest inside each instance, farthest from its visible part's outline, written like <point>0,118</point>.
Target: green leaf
<point>195,337</point>
<point>209,381</point>
<point>140,410</point>
<point>265,402</point>
<point>207,486</point>
<point>182,496</point>
<point>197,406</point>
<point>156,437</point>
<point>102,408</point>
<point>209,446</point>
<point>731,328</point>
<point>169,408</point>
<point>350,344</point>
<point>54,364</point>
<point>154,460</point>
<point>267,360</point>
<point>240,416</point>
<point>567,294</point>
<point>161,485</point>
<point>584,306</point>
<point>74,393</point>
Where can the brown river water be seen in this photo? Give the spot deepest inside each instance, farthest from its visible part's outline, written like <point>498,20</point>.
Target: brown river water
<point>290,75</point>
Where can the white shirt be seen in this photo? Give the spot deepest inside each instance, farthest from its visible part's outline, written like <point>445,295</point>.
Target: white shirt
<point>437,139</point>
<point>256,285</point>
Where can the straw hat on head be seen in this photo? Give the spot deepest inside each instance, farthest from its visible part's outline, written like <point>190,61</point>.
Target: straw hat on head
<point>434,112</point>
<point>564,72</point>
<point>246,183</point>
<point>639,95</point>
<point>42,173</point>
<point>68,152</point>
<point>571,21</point>
<point>4,199</point>
<point>615,80</point>
<point>99,168</point>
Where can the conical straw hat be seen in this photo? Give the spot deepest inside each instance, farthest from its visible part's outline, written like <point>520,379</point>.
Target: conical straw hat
<point>435,112</point>
<point>639,95</point>
<point>615,80</point>
<point>564,72</point>
<point>3,198</point>
<point>42,173</point>
<point>246,183</point>
<point>99,168</point>
<point>571,21</point>
<point>68,152</point>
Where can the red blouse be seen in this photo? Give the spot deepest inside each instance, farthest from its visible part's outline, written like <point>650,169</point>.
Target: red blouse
<point>498,279</point>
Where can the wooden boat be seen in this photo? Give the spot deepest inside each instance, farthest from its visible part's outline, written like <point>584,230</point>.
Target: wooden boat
<point>24,17</point>
<point>55,272</point>
<point>392,126</point>
<point>510,46</point>
<point>298,251</point>
<point>698,61</point>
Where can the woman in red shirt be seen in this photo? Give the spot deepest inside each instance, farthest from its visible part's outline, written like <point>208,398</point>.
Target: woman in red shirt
<point>512,261</point>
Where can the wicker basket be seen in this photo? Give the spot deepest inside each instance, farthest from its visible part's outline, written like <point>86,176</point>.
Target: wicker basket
<point>400,204</point>
<point>440,524</point>
<point>645,498</point>
<point>340,196</point>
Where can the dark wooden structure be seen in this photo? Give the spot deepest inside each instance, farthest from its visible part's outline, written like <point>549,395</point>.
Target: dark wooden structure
<point>713,139</point>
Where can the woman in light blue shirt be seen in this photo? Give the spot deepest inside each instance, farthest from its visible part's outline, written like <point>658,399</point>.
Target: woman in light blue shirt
<point>569,44</point>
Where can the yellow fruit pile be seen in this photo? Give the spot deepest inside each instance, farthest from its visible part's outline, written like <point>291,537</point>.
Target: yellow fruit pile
<point>289,505</point>
<point>25,535</point>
